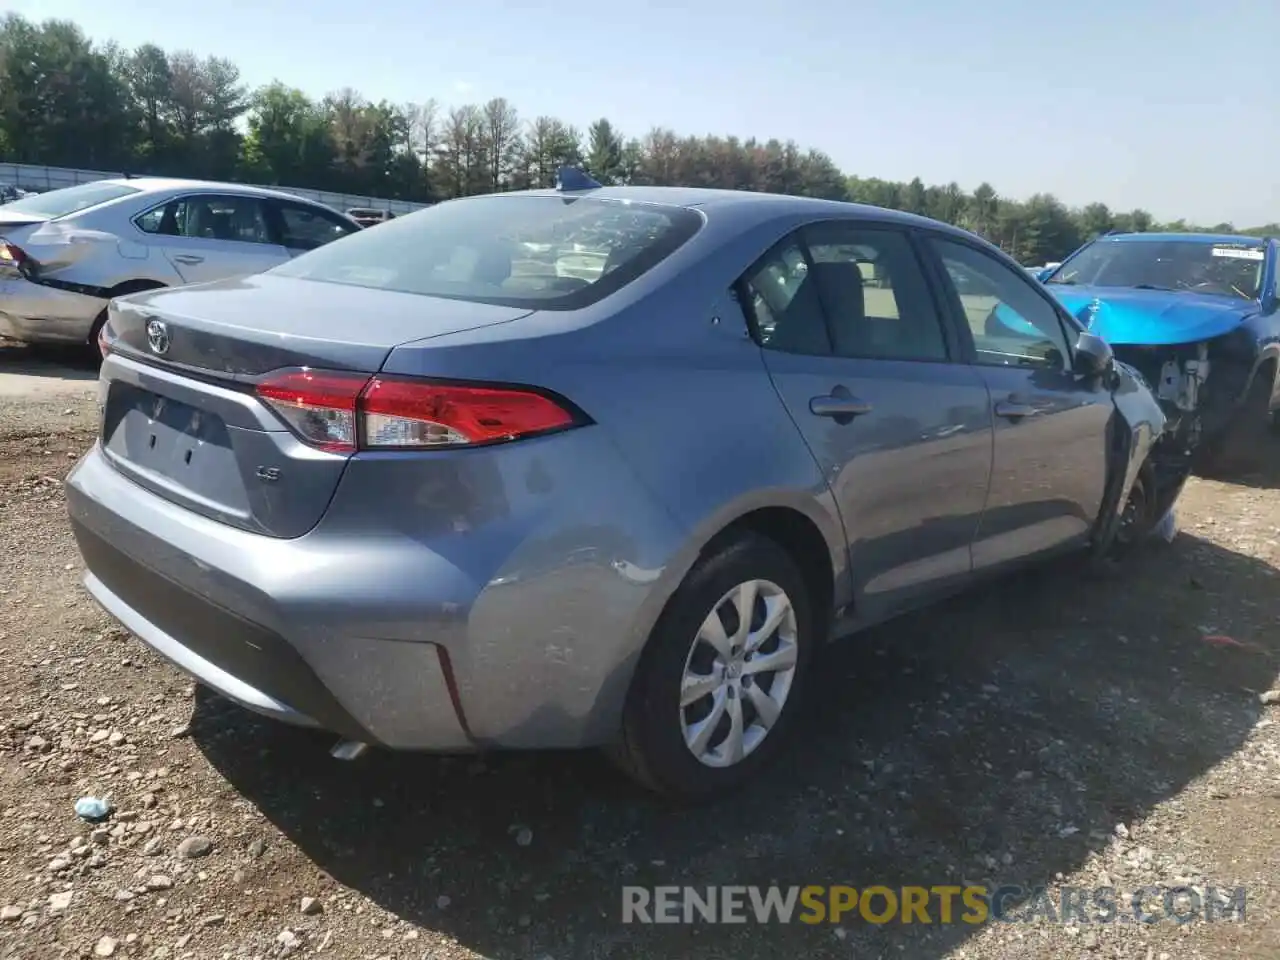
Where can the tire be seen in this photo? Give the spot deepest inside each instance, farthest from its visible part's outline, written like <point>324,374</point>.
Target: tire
<point>1241,447</point>
<point>655,747</point>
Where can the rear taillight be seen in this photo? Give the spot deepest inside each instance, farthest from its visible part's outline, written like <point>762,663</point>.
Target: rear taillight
<point>342,412</point>
<point>103,346</point>
<point>402,413</point>
<point>319,406</point>
<point>12,255</point>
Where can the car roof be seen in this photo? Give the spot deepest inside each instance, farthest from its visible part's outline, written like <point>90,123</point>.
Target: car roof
<point>164,184</point>
<point>766,204</point>
<point>1186,237</point>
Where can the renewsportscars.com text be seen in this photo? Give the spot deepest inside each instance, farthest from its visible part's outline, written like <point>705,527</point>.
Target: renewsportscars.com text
<point>943,904</point>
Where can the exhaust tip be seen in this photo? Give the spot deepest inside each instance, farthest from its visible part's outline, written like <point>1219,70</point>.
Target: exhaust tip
<point>348,750</point>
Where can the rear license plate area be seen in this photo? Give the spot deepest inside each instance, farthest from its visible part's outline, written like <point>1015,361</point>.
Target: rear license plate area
<point>164,439</point>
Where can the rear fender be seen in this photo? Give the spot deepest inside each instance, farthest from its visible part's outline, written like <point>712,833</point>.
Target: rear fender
<point>58,246</point>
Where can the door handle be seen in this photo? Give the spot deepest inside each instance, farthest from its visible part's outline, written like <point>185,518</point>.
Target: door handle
<point>840,406</point>
<point>1014,409</point>
<point>188,258</point>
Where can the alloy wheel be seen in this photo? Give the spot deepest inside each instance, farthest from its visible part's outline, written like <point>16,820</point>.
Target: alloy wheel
<point>738,673</point>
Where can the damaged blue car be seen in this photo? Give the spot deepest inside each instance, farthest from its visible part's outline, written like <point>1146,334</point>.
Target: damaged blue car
<point>1197,315</point>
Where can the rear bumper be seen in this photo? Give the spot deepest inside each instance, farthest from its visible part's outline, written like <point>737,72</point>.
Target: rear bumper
<point>35,313</point>
<point>519,633</point>
<point>231,630</point>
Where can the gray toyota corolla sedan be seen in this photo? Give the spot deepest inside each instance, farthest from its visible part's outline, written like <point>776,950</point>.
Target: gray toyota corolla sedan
<point>591,467</point>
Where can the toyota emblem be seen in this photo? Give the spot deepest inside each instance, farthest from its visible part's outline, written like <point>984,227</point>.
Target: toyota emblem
<point>158,336</point>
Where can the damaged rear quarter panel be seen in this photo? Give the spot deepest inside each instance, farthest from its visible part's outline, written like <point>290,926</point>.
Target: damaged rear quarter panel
<point>92,253</point>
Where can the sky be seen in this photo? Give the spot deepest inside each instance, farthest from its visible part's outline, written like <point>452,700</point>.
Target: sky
<point>1167,105</point>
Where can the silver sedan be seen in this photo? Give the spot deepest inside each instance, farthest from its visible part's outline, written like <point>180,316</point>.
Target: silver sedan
<point>66,253</point>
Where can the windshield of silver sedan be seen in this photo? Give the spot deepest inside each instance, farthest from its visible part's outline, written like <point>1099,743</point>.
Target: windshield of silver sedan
<point>1231,268</point>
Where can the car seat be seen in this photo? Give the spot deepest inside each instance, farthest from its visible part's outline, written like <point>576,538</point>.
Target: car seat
<point>493,266</point>
<point>799,326</point>
<point>841,284</point>
<point>220,226</point>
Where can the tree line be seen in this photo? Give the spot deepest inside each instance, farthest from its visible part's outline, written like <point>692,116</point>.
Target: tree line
<point>68,101</point>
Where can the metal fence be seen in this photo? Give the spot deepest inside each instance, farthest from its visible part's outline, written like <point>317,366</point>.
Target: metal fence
<point>30,177</point>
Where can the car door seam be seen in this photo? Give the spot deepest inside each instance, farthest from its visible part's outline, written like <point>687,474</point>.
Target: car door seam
<point>817,463</point>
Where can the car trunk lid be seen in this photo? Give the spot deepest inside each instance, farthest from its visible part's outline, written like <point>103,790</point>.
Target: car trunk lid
<point>14,231</point>
<point>180,416</point>
<point>17,221</point>
<point>241,328</point>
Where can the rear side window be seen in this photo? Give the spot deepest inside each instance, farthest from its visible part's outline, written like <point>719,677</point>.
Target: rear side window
<point>783,302</point>
<point>875,293</point>
<point>69,200</point>
<point>542,253</point>
<point>846,289</point>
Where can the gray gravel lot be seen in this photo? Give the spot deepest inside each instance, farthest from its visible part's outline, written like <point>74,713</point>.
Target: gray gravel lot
<point>1050,730</point>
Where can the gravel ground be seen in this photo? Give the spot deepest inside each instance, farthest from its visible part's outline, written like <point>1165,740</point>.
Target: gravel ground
<point>1051,729</point>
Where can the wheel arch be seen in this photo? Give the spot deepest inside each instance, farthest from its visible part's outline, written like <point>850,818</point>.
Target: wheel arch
<point>1137,426</point>
<point>810,531</point>
<point>136,285</point>
<point>801,536</point>
<point>808,527</point>
<point>1267,365</point>
<point>803,541</point>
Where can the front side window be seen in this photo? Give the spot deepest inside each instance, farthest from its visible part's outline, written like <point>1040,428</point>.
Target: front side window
<point>540,253</point>
<point>1230,268</point>
<point>208,217</point>
<point>306,228</point>
<point>1011,321</point>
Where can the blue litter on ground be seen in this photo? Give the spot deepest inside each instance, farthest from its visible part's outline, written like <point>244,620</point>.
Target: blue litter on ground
<point>92,808</point>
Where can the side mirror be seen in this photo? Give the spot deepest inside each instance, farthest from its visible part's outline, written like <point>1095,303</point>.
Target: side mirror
<point>1093,355</point>
<point>1044,273</point>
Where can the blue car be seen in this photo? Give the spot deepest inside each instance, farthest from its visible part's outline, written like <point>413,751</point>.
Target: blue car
<point>1197,315</point>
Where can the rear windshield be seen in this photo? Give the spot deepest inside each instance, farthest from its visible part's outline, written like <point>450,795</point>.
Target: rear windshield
<point>69,200</point>
<point>542,253</point>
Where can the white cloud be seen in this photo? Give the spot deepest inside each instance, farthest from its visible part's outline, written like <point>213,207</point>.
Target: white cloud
<point>463,87</point>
